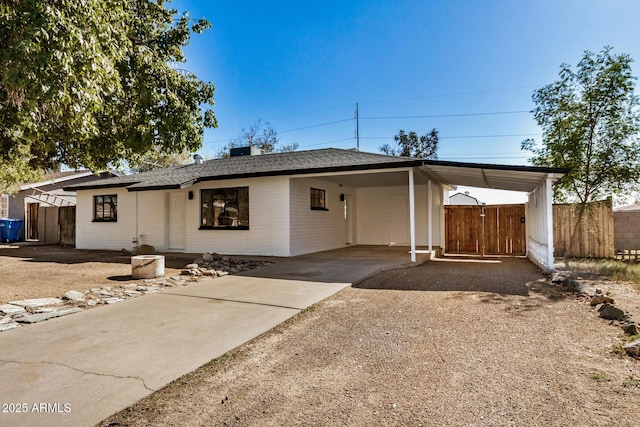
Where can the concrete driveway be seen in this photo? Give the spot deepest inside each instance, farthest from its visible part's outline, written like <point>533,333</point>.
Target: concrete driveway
<point>79,369</point>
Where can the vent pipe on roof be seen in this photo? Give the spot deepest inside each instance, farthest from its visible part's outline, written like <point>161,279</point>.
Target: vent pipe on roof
<point>197,158</point>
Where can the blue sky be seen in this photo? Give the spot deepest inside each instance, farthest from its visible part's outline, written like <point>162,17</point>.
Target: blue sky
<point>301,65</point>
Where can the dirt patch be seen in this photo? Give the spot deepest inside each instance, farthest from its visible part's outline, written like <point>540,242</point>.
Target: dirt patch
<point>441,344</point>
<point>50,271</point>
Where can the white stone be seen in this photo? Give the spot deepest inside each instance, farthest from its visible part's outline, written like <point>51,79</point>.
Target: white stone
<point>46,310</point>
<point>37,302</point>
<point>7,326</point>
<point>35,318</point>
<point>74,296</point>
<point>11,309</point>
<point>112,300</point>
<point>164,283</point>
<point>147,266</point>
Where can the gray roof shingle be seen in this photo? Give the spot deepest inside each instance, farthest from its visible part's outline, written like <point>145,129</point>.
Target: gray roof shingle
<point>292,163</point>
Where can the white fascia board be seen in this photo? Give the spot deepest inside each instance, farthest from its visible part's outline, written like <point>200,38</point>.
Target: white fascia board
<point>55,181</point>
<point>354,172</point>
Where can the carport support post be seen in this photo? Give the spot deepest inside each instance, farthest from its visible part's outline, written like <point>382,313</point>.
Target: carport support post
<point>549,215</point>
<point>412,216</point>
<point>430,217</point>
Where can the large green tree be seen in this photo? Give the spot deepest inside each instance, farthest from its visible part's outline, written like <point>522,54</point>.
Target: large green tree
<point>411,145</point>
<point>96,82</point>
<point>590,123</point>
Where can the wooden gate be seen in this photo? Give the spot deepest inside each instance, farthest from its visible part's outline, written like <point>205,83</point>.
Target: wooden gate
<point>485,230</point>
<point>67,225</point>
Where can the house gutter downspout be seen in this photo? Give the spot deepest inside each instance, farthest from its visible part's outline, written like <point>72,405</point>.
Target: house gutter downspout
<point>412,216</point>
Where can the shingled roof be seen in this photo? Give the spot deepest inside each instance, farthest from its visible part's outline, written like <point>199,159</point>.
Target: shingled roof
<point>292,163</point>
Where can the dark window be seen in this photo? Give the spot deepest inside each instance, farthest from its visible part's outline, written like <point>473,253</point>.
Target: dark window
<point>225,208</point>
<point>318,200</point>
<point>105,208</point>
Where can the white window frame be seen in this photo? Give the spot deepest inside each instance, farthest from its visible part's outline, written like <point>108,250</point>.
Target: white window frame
<point>4,206</point>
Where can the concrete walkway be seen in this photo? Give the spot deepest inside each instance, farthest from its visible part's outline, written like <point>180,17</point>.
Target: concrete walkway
<point>78,370</point>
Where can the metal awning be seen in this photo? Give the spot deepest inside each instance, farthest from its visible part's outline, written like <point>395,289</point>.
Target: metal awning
<point>501,177</point>
<point>50,200</point>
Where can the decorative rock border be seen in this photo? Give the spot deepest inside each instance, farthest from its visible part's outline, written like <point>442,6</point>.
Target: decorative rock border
<point>28,311</point>
<point>215,265</point>
<point>606,308</point>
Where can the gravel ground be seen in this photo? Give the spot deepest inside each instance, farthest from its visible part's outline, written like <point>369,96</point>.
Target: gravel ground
<point>453,343</point>
<point>51,270</point>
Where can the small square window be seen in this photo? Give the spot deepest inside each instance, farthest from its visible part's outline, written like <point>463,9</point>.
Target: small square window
<point>318,200</point>
<point>105,208</point>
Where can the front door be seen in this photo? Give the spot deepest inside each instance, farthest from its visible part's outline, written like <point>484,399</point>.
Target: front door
<point>399,220</point>
<point>176,221</point>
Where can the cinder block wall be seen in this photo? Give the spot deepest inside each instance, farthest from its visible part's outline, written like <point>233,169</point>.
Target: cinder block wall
<point>626,226</point>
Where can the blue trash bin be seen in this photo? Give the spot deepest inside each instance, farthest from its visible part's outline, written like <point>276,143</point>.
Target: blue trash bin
<point>10,229</point>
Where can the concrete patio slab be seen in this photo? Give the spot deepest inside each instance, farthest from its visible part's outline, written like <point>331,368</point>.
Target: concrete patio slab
<point>79,369</point>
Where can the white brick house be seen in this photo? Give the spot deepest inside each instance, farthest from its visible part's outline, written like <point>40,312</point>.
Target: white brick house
<point>288,204</point>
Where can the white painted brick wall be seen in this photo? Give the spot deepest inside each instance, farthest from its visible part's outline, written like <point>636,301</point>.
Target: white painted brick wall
<point>105,235</point>
<point>151,218</point>
<point>316,230</point>
<point>268,219</point>
<point>268,213</point>
<point>271,230</point>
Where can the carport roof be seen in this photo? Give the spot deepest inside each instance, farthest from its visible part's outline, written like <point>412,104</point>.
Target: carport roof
<point>503,177</point>
<point>327,161</point>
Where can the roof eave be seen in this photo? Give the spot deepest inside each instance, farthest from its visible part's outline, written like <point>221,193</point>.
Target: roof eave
<point>96,186</point>
<point>56,180</point>
<point>519,168</point>
<point>410,163</point>
<point>158,187</point>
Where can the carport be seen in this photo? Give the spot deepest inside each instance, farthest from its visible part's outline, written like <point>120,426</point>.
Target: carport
<point>403,205</point>
<point>536,181</point>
